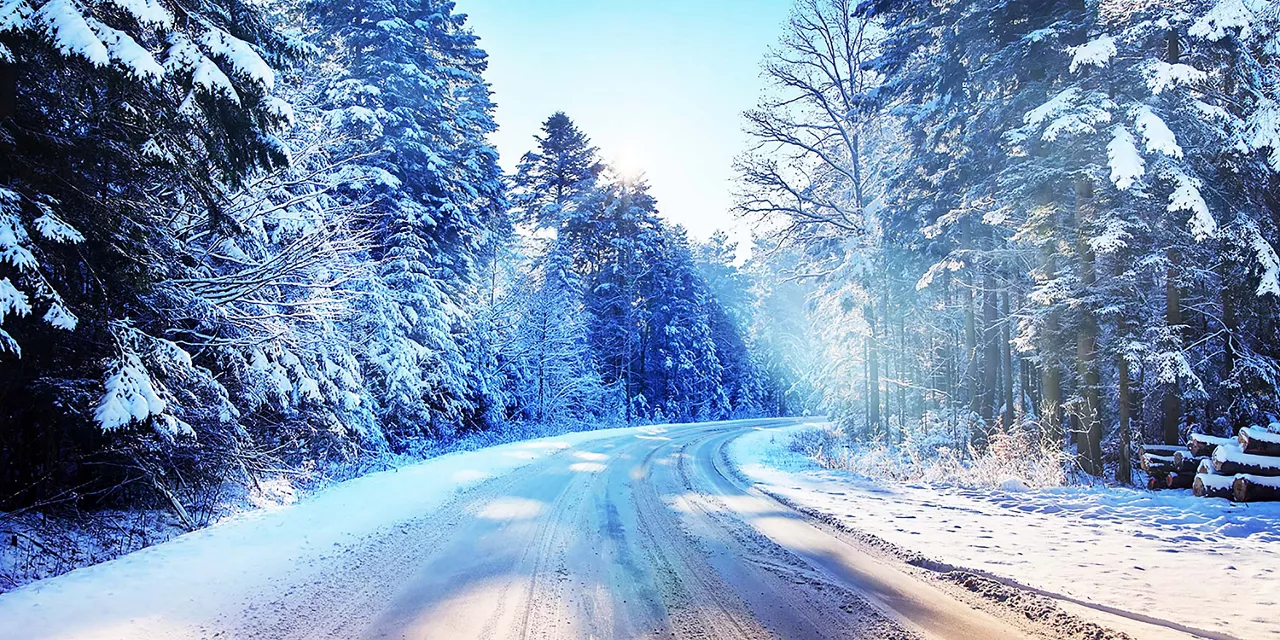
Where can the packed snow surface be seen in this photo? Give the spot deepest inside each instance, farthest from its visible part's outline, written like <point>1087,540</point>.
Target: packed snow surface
<point>1201,562</point>
<point>256,558</point>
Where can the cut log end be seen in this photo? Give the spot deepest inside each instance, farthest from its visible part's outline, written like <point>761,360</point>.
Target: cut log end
<point>1211,486</point>
<point>1255,441</point>
<point>1254,489</point>
<point>1187,462</point>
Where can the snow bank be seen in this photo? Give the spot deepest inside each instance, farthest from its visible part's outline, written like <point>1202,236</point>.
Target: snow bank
<point>1199,562</point>
<point>165,590</point>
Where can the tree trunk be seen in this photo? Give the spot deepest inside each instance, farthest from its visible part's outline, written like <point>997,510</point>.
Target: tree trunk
<point>866,384</point>
<point>971,352</point>
<point>902,369</point>
<point>1028,393</point>
<point>888,361</point>
<point>542,366</point>
<point>1230,324</point>
<point>1171,403</point>
<point>1050,369</point>
<point>8,91</point>
<point>1049,408</point>
<point>1089,437</point>
<point>1006,361</point>
<point>990,352</point>
<point>1124,398</point>
<point>873,383</point>
<point>1124,474</point>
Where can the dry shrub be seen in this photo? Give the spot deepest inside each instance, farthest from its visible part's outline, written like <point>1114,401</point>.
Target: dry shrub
<point>1014,459</point>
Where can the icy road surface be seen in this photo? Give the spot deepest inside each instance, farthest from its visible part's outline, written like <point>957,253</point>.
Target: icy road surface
<point>627,533</point>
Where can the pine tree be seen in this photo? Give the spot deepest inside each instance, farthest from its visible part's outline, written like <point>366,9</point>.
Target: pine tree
<point>121,129</point>
<point>413,87</point>
<point>554,181</point>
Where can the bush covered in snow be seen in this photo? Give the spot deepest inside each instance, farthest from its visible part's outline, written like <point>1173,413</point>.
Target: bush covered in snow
<point>1012,460</point>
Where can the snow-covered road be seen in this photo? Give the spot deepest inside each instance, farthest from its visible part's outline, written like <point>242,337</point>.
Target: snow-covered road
<point>627,533</point>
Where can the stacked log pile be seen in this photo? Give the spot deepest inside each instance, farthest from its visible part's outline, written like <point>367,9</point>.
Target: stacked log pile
<point>1244,469</point>
<point>1170,466</point>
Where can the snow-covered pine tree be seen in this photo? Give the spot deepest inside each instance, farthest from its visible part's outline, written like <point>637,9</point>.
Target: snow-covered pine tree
<point>556,180</point>
<point>729,313</point>
<point>1078,192</point>
<point>412,85</point>
<point>680,370</point>
<point>554,191</point>
<point>113,115</point>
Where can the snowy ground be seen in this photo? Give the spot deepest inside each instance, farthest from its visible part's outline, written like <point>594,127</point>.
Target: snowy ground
<point>171,590</point>
<point>648,532</point>
<point>1202,563</point>
<point>624,533</point>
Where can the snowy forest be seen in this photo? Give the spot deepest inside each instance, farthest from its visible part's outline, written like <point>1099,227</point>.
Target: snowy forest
<point>1047,225</point>
<point>241,240</point>
<point>262,238</point>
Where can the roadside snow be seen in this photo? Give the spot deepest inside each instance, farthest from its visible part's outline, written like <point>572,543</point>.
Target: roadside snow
<point>1200,562</point>
<point>166,591</point>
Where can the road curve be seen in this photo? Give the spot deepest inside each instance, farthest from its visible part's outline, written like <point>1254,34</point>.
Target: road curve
<point>638,536</point>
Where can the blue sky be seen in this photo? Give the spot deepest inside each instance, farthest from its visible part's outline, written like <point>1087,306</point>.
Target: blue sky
<point>659,85</point>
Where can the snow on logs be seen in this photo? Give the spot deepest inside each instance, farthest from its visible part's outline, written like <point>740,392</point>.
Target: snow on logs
<point>1169,466</point>
<point>1164,450</point>
<point>1253,440</point>
<point>1208,485</point>
<point>1230,459</point>
<point>1244,469</point>
<point>1251,488</point>
<point>1202,446</point>
<point>1179,462</point>
<point>1154,463</point>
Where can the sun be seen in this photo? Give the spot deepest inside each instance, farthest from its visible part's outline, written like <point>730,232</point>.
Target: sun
<point>627,163</point>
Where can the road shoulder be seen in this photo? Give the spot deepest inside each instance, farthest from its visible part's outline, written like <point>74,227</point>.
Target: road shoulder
<point>917,526</point>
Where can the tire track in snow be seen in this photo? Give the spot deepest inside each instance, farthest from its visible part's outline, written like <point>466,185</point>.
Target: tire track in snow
<point>651,537</point>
